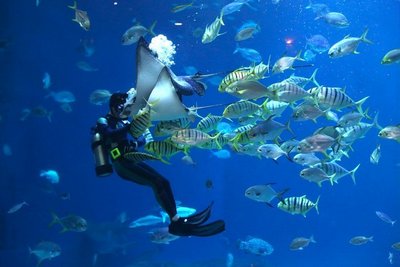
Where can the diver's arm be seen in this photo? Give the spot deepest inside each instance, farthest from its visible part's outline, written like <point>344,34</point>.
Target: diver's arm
<point>108,131</point>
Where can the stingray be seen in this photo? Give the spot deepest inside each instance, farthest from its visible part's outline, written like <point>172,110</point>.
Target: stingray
<point>158,86</point>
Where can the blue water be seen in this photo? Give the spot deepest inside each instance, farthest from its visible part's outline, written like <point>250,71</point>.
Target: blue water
<point>44,39</point>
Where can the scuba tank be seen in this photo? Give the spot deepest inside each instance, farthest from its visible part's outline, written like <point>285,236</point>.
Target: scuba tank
<point>102,163</point>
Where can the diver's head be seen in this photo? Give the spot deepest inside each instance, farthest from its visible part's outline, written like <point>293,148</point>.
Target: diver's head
<point>117,104</point>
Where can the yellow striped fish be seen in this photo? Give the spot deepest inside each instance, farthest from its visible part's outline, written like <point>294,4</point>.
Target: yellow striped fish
<point>240,109</point>
<point>137,157</point>
<point>234,76</point>
<point>191,137</point>
<point>335,98</point>
<point>298,205</point>
<point>209,123</point>
<point>140,123</point>
<point>164,148</point>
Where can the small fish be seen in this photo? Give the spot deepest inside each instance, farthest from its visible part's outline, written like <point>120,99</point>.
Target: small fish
<point>45,250</point>
<point>240,109</point>
<point>348,45</point>
<point>248,53</point>
<point>81,17</point>
<point>285,63</point>
<point>247,31</point>
<point>162,236</point>
<point>298,205</point>
<point>308,159</point>
<point>17,207</point>
<point>315,175</point>
<point>133,34</point>
<point>212,32</point>
<point>46,80</point>
<point>384,217</point>
<point>390,258</point>
<point>164,148</point>
<point>145,221</point>
<point>390,132</point>
<point>316,143</point>
<point>256,246</point>
<point>264,193</point>
<point>65,196</point>
<point>361,240</point>
<point>50,175</point>
<point>393,56</point>
<point>375,155</point>
<point>337,171</point>
<point>71,223</point>
<point>335,19</point>
<point>396,246</point>
<point>188,160</point>
<point>179,8</point>
<point>272,151</point>
<point>7,151</point>
<point>180,210</point>
<point>191,137</point>
<point>85,66</point>
<point>300,243</point>
<point>209,184</point>
<point>99,97</point>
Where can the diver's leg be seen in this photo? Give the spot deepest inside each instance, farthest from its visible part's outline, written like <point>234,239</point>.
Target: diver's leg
<point>143,174</point>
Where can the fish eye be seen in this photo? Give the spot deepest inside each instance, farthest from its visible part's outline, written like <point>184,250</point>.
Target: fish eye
<point>258,193</point>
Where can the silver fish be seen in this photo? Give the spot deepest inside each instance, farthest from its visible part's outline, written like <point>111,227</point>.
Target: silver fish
<point>17,207</point>
<point>263,193</point>
<point>361,240</point>
<point>375,155</point>
<point>300,243</point>
<point>348,45</point>
<point>384,217</point>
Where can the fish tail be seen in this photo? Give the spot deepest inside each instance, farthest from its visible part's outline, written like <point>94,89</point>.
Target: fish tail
<point>298,56</point>
<point>353,172</point>
<point>287,126</point>
<point>359,103</point>
<point>280,194</point>
<point>220,19</point>
<point>393,222</point>
<point>371,238</point>
<point>55,219</point>
<point>316,205</point>
<point>312,78</point>
<point>364,37</point>
<point>74,7</point>
<point>375,123</point>
<point>236,49</point>
<point>151,29</point>
<point>312,240</point>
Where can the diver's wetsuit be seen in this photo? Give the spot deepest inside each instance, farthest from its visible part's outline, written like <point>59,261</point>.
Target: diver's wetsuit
<point>114,131</point>
<point>115,134</point>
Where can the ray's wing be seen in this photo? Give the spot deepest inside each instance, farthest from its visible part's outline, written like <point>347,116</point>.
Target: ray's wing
<point>165,102</point>
<point>148,69</point>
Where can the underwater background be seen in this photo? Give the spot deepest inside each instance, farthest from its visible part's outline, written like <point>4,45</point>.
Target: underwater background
<point>38,38</point>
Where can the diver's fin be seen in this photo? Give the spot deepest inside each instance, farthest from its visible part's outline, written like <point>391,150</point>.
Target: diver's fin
<point>180,228</point>
<point>200,217</point>
<point>209,229</point>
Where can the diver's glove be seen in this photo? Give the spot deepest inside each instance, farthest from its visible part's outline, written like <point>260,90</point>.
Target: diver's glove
<point>193,225</point>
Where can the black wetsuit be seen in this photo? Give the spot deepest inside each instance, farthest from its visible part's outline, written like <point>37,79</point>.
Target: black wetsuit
<point>115,135</point>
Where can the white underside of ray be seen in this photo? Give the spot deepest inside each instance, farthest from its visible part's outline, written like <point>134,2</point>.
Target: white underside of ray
<point>164,101</point>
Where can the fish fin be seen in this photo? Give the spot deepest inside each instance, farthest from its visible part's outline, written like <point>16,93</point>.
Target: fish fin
<point>312,78</point>
<point>280,194</point>
<point>364,37</point>
<point>316,204</point>
<point>74,7</point>
<point>151,29</point>
<point>359,103</point>
<point>55,219</point>
<point>353,172</point>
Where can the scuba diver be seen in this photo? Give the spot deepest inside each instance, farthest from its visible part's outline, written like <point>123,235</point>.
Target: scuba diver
<point>110,140</point>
